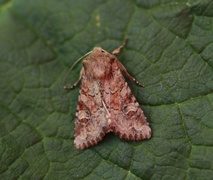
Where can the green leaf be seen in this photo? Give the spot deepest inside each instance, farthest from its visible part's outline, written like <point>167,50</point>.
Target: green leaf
<point>169,50</point>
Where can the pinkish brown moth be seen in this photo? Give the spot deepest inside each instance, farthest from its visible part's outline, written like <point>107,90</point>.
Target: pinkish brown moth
<point>106,103</point>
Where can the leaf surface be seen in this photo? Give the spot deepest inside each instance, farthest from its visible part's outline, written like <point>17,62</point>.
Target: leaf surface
<point>169,50</point>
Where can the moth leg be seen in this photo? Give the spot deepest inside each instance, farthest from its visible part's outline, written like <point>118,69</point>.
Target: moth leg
<point>121,66</point>
<point>76,83</point>
<point>118,50</point>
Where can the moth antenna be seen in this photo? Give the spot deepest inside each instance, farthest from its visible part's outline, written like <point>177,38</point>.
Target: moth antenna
<point>74,66</point>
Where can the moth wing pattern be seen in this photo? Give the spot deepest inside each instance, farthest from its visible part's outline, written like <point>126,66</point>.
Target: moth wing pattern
<point>127,118</point>
<point>90,115</point>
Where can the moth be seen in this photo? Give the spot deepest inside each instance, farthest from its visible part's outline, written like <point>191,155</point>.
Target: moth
<point>106,103</point>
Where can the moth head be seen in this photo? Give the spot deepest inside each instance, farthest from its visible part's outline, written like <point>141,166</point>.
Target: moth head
<point>99,50</point>
<point>98,63</point>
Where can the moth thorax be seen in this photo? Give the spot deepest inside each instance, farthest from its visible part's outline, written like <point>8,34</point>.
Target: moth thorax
<point>101,70</point>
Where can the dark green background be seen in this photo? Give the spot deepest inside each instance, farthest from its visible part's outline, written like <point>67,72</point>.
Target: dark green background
<point>169,50</point>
